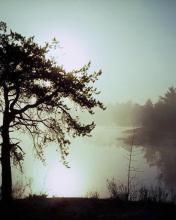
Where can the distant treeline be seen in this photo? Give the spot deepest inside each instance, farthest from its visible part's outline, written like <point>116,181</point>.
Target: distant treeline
<point>158,115</point>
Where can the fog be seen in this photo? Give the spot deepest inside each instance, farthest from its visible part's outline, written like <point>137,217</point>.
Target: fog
<point>105,152</point>
<point>153,127</point>
<point>133,42</point>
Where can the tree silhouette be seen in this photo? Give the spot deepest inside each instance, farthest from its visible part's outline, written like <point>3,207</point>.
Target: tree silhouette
<point>166,111</point>
<point>161,116</point>
<point>147,114</point>
<point>37,96</point>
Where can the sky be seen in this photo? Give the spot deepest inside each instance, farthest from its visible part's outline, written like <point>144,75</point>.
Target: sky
<point>131,41</point>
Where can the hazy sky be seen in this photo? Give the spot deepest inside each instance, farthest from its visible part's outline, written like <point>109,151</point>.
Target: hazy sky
<point>132,41</point>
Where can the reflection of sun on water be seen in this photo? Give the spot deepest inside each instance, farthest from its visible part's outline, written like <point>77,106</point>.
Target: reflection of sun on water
<point>62,182</point>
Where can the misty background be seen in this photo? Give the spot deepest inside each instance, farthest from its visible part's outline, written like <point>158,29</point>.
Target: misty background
<point>153,125</point>
<point>133,42</point>
<point>104,155</point>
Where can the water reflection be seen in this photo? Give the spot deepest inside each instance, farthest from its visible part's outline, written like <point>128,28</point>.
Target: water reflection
<point>159,150</point>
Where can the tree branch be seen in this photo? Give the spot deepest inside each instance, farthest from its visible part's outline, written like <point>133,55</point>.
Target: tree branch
<point>36,104</point>
<point>15,99</point>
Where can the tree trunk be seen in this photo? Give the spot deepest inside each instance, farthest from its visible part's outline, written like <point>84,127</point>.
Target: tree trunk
<point>5,152</point>
<point>5,163</point>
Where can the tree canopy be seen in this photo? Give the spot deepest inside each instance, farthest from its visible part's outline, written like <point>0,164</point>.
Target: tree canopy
<point>37,96</point>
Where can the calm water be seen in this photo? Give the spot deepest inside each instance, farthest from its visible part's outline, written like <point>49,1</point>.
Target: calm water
<point>103,156</point>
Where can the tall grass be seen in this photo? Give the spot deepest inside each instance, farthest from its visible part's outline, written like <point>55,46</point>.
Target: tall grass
<point>156,194</point>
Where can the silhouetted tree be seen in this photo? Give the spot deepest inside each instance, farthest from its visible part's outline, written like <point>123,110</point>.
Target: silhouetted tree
<point>160,116</point>
<point>165,110</point>
<point>147,113</point>
<point>37,96</point>
<point>132,170</point>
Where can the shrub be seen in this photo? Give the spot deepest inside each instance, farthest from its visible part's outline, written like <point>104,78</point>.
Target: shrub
<point>117,191</point>
<point>153,194</point>
<point>93,195</point>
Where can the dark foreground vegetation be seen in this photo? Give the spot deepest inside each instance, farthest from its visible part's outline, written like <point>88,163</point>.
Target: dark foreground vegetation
<point>39,208</point>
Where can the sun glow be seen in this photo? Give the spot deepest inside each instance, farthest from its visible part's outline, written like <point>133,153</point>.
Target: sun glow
<point>72,53</point>
<point>63,182</point>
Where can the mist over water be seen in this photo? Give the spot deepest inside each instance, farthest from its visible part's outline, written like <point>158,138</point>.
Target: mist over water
<point>154,130</point>
<point>134,45</point>
<point>93,160</point>
<point>104,155</point>
<point>159,150</point>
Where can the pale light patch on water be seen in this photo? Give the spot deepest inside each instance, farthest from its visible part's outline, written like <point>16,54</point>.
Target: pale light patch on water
<point>93,160</point>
